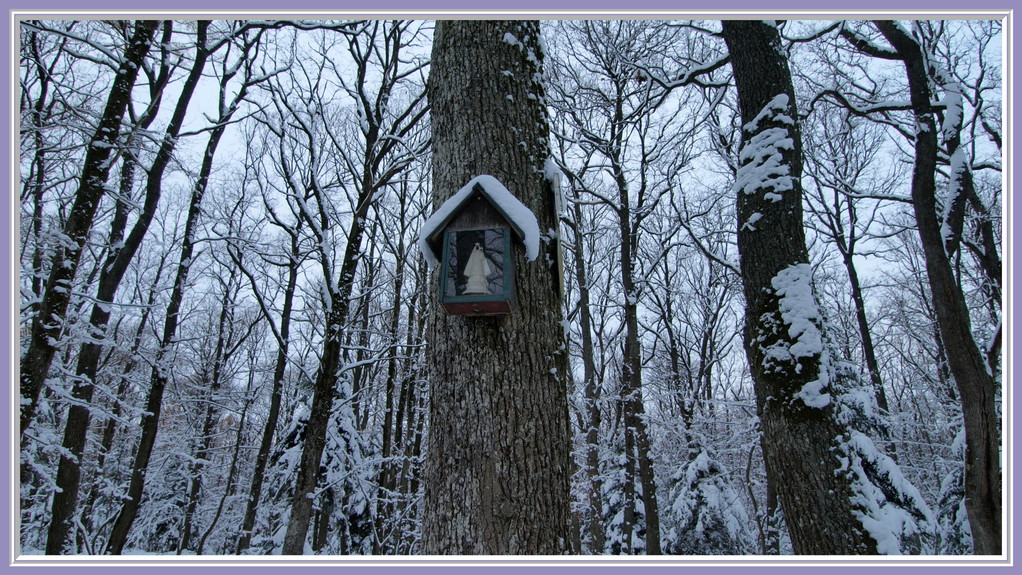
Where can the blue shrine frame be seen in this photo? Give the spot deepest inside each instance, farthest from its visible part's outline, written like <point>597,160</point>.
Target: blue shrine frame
<point>498,303</point>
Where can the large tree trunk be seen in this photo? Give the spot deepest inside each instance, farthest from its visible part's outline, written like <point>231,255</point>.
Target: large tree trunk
<point>799,428</point>
<point>497,461</point>
<point>976,385</point>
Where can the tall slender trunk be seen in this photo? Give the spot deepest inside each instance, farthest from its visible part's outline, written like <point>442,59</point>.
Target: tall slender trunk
<point>266,443</point>
<point>160,374</point>
<point>636,435</point>
<point>110,428</point>
<point>233,470</point>
<point>122,252</point>
<point>360,334</point>
<point>976,386</point>
<point>846,247</point>
<point>387,476</point>
<point>380,164</point>
<point>35,186</point>
<point>772,536</point>
<point>407,436</point>
<point>591,390</point>
<point>324,387</point>
<point>48,323</point>
<point>76,427</point>
<point>201,454</point>
<point>865,334</point>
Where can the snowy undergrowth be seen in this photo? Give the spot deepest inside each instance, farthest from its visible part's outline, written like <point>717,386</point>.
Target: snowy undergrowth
<point>889,507</point>
<point>344,490</point>
<point>952,517</point>
<point>707,516</point>
<point>613,495</point>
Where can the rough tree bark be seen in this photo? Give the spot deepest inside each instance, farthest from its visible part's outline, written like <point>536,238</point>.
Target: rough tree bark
<point>497,462</point>
<point>798,438</point>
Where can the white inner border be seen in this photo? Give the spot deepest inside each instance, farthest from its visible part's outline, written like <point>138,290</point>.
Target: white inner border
<point>1007,253</point>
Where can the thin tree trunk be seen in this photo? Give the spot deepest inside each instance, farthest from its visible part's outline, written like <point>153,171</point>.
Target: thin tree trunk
<point>321,525</point>
<point>407,437</point>
<point>232,471</point>
<point>847,249</point>
<point>773,530</point>
<point>976,386</point>
<point>381,133</point>
<point>160,374</point>
<point>209,421</point>
<point>324,388</point>
<point>361,373</point>
<point>636,435</point>
<point>865,334</point>
<point>35,185</point>
<point>591,390</point>
<point>48,323</point>
<point>387,476</point>
<point>110,428</point>
<point>266,443</point>
<point>116,265</point>
<point>77,424</point>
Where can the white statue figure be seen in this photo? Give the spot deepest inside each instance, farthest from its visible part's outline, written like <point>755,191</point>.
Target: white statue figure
<point>476,270</point>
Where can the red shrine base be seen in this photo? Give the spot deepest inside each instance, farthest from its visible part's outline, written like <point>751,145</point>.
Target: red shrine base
<point>500,307</point>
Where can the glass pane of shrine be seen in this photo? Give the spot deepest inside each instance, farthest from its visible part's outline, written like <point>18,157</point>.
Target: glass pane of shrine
<point>475,263</point>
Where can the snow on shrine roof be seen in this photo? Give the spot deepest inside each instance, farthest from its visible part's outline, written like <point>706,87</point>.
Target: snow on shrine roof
<point>520,217</point>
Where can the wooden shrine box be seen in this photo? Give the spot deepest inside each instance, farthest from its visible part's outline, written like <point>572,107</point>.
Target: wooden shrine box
<point>472,237</point>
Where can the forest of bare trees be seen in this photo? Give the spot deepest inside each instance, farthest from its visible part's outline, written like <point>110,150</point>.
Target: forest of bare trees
<point>763,314</point>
